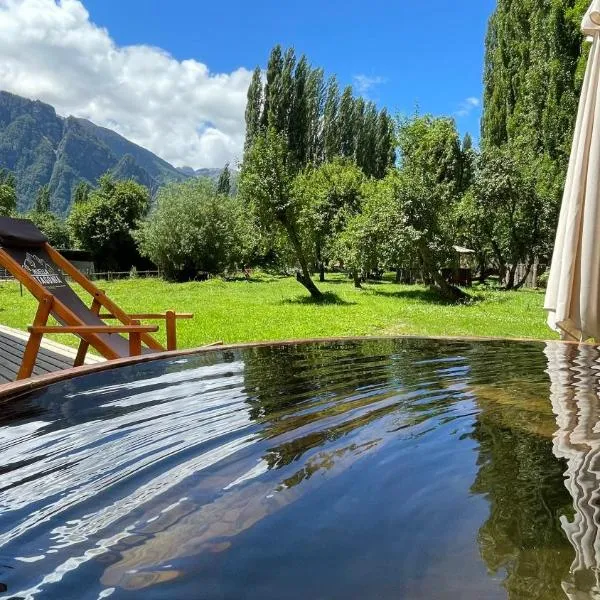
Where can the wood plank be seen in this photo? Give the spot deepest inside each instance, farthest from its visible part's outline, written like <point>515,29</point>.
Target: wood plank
<point>52,356</point>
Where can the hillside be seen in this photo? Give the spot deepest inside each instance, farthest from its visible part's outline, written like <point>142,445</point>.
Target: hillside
<point>40,148</point>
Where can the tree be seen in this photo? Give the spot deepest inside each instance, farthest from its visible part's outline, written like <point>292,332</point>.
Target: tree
<point>266,185</point>
<point>104,223</point>
<point>534,64</point>
<point>509,210</point>
<point>53,227</point>
<point>298,121</point>
<point>378,236</point>
<point>212,238</point>
<point>385,154</point>
<point>224,182</point>
<point>346,123</point>
<point>8,193</point>
<point>272,91</point>
<point>328,196</point>
<point>331,130</point>
<point>81,193</point>
<point>315,98</point>
<point>42,200</point>
<point>253,108</point>
<point>431,158</point>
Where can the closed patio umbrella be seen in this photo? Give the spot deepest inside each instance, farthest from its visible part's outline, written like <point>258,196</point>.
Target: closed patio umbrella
<point>573,294</point>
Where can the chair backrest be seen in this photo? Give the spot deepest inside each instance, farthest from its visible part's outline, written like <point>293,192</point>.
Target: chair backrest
<point>26,254</point>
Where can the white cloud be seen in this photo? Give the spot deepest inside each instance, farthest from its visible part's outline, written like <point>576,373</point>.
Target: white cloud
<point>467,106</point>
<point>364,83</point>
<point>51,51</point>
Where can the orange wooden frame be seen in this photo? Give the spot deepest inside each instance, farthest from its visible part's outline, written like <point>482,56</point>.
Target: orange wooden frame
<point>49,304</point>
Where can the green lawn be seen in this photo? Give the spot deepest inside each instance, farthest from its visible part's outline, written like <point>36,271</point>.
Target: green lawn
<point>277,308</point>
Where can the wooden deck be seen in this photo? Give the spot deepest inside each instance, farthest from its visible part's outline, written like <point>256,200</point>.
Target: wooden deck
<point>52,356</point>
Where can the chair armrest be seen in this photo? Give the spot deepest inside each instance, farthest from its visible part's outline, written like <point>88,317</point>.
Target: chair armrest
<point>151,316</point>
<point>93,329</point>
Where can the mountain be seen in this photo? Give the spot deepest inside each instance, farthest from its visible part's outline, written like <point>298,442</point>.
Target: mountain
<point>40,148</point>
<point>209,173</point>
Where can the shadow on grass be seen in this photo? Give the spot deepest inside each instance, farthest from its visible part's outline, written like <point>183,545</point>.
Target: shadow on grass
<point>427,296</point>
<point>328,298</point>
<point>350,282</point>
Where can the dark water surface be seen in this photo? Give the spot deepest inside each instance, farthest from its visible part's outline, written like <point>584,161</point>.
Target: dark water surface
<point>380,469</point>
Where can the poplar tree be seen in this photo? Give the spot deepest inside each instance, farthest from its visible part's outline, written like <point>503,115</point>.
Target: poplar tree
<point>347,124</point>
<point>272,91</point>
<point>331,132</point>
<point>315,100</point>
<point>385,155</point>
<point>253,108</point>
<point>298,124</point>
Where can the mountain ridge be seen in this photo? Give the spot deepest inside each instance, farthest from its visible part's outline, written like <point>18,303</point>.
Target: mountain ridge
<point>42,148</point>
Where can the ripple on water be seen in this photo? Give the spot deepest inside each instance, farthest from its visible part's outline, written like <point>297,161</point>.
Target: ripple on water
<point>335,470</point>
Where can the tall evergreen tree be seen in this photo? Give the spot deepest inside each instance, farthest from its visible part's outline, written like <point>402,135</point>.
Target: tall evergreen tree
<point>254,108</point>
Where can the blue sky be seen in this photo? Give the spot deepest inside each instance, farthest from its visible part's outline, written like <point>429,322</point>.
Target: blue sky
<point>428,54</point>
<point>172,75</point>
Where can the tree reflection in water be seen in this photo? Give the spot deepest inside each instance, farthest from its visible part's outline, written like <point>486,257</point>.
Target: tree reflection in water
<point>522,481</point>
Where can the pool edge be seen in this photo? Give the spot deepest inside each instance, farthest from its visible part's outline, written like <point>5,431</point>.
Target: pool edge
<point>22,386</point>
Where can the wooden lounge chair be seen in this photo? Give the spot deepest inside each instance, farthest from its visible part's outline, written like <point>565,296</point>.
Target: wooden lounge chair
<point>27,255</point>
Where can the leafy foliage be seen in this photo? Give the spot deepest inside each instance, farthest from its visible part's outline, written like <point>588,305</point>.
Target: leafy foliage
<point>317,123</point>
<point>52,226</point>
<point>104,223</point>
<point>266,186</point>
<point>327,196</point>
<point>8,193</point>
<point>224,182</point>
<point>432,160</point>
<point>42,200</point>
<point>194,229</point>
<point>534,64</point>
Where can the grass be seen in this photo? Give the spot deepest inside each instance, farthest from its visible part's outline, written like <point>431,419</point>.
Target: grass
<point>277,308</point>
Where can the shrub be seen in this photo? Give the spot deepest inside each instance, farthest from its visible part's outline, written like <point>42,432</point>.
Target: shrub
<point>192,229</point>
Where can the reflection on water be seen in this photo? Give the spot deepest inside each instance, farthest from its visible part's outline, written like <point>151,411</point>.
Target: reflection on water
<point>377,469</point>
<point>575,401</point>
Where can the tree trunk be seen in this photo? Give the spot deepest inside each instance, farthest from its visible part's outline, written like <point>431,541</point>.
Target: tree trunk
<point>446,290</point>
<point>304,276</point>
<point>510,282</point>
<point>356,278</point>
<point>320,264</point>
<point>482,266</point>
<point>523,279</point>
<point>398,275</point>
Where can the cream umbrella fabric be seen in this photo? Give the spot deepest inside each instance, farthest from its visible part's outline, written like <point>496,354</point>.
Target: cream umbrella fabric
<point>573,294</point>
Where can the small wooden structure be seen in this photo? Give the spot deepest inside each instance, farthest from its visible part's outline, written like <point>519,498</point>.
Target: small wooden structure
<point>27,255</point>
<point>461,271</point>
